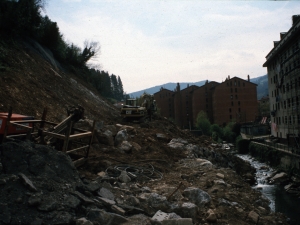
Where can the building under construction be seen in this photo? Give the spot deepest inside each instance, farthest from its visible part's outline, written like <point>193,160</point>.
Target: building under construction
<point>283,63</point>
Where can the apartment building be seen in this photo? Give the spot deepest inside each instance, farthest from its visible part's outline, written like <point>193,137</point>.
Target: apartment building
<point>234,99</point>
<point>283,63</point>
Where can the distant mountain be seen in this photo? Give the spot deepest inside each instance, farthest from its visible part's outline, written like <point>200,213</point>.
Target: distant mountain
<point>262,87</point>
<point>169,86</point>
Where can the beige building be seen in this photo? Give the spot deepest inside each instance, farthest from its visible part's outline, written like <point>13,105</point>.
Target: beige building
<point>283,63</point>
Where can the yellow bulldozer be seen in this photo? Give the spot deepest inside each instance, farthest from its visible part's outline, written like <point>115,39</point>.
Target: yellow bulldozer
<point>132,112</point>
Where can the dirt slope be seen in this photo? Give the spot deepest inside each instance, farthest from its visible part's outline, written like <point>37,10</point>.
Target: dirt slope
<point>28,83</point>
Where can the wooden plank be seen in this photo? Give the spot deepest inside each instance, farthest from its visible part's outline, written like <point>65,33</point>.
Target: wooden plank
<point>77,149</point>
<point>20,135</point>
<point>26,121</point>
<point>67,138</point>
<point>60,136</point>
<point>91,139</point>
<point>20,125</point>
<point>81,135</point>
<point>79,162</point>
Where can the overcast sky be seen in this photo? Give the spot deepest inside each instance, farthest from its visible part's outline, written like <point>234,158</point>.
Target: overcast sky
<point>149,43</point>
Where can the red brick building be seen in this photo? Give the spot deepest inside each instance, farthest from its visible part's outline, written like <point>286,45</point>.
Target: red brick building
<point>165,102</point>
<point>202,100</point>
<point>234,99</point>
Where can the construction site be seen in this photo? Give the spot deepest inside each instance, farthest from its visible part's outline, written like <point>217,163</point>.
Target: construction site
<point>68,157</point>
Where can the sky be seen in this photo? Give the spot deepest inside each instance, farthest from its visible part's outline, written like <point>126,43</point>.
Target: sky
<point>149,43</point>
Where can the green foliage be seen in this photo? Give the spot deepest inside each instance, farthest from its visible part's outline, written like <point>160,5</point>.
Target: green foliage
<point>202,123</point>
<point>229,135</point>
<point>242,145</point>
<point>216,131</point>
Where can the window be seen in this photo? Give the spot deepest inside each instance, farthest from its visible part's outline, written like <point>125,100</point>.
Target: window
<point>243,84</point>
<point>284,104</point>
<point>285,119</point>
<point>229,109</point>
<point>239,110</point>
<point>230,116</point>
<point>288,103</point>
<point>231,96</point>
<point>290,120</point>
<point>239,103</point>
<point>235,89</point>
<point>236,97</point>
<point>231,103</point>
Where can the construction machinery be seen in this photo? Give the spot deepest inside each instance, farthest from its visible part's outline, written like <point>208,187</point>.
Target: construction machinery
<point>132,112</point>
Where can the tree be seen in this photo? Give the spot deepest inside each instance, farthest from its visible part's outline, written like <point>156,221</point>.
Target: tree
<point>120,89</point>
<point>217,132</point>
<point>91,49</point>
<point>203,123</point>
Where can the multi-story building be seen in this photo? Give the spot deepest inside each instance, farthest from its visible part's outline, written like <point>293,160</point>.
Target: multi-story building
<point>232,100</point>
<point>235,99</point>
<point>283,66</point>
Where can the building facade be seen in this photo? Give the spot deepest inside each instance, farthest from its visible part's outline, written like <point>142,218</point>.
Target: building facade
<point>283,66</point>
<point>234,100</point>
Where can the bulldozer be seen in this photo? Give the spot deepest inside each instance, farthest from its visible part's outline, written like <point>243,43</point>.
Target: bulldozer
<point>132,112</point>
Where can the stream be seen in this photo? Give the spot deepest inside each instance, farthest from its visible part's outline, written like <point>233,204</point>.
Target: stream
<point>280,200</point>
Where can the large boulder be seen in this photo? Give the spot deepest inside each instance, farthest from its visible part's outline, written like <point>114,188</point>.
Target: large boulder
<point>197,196</point>
<point>121,136</point>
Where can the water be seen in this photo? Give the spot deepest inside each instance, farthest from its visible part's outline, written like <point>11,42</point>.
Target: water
<point>280,200</point>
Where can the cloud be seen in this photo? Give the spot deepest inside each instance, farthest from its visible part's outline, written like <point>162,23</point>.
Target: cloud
<point>148,43</point>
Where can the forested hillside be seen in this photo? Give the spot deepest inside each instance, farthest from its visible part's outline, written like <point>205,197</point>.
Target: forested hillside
<point>23,21</point>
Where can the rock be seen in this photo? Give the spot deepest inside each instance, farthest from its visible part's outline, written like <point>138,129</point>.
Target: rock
<point>27,182</point>
<point>187,210</point>
<point>287,187</point>
<point>71,202</point>
<point>136,147</point>
<point>133,200</point>
<point>162,137</point>
<point>83,198</point>
<point>253,216</point>
<point>223,201</point>
<point>83,221</point>
<point>160,216</point>
<point>146,189</point>
<point>220,182</point>
<point>179,221</point>
<point>112,128</point>
<point>101,174</point>
<point>106,201</point>
<point>155,201</point>
<point>220,175</point>
<point>48,205</point>
<point>104,217</point>
<point>106,138</point>
<point>93,186</point>
<point>177,144</point>
<point>197,196</point>
<point>204,163</point>
<point>61,218</point>
<point>125,146</point>
<point>105,193</point>
<point>279,178</point>
<point>212,217</point>
<point>34,201</point>
<point>118,210</point>
<point>124,178</point>
<point>120,137</point>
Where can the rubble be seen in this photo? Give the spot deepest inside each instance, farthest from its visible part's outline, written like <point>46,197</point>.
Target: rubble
<point>176,188</point>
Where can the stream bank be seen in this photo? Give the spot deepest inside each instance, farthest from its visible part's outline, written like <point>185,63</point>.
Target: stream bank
<point>280,200</point>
